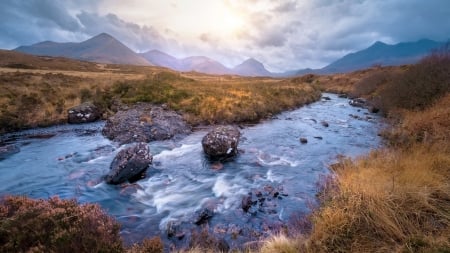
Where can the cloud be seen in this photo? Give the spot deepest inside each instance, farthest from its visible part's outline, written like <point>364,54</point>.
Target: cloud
<point>284,34</point>
<point>139,38</point>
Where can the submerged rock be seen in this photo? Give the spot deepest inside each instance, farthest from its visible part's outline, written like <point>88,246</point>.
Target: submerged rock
<point>303,140</point>
<point>8,150</point>
<point>203,216</point>
<point>84,113</point>
<point>221,142</point>
<point>129,164</point>
<point>144,123</point>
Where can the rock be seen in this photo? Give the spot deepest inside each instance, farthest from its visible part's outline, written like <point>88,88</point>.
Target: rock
<point>129,164</point>
<point>8,150</point>
<point>221,142</point>
<point>144,122</point>
<point>343,95</point>
<point>326,98</point>
<point>325,124</point>
<point>318,137</point>
<point>172,228</point>
<point>358,102</point>
<point>247,202</point>
<point>84,113</point>
<point>373,109</point>
<point>303,140</point>
<point>217,166</point>
<point>203,216</point>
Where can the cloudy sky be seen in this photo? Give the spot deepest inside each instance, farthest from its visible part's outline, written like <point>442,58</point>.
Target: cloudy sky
<point>283,34</point>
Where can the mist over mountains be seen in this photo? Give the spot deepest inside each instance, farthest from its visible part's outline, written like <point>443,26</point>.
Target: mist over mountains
<point>104,48</point>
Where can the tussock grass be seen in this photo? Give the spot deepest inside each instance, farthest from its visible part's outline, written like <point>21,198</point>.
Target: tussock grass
<point>387,202</point>
<point>31,98</point>
<point>396,199</point>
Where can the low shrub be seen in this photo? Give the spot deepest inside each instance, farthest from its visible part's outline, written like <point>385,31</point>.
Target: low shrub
<point>151,245</point>
<point>421,85</point>
<point>56,225</point>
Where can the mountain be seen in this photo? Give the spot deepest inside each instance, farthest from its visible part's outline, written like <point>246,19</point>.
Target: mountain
<point>251,67</point>
<point>162,59</point>
<point>204,65</point>
<point>381,54</point>
<point>102,48</point>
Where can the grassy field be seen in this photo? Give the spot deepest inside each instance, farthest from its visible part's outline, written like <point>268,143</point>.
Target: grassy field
<point>35,92</point>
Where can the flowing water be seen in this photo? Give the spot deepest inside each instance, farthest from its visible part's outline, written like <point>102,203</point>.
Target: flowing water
<point>70,160</point>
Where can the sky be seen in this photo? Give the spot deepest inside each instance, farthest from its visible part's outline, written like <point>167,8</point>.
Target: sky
<point>283,34</point>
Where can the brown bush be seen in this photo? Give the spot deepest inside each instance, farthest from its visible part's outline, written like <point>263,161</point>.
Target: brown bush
<point>56,225</point>
<point>421,85</point>
<point>152,245</point>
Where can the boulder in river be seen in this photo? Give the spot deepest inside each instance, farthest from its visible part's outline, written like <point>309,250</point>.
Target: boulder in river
<point>8,150</point>
<point>303,140</point>
<point>129,164</point>
<point>358,102</point>
<point>144,123</point>
<point>84,113</point>
<point>221,142</point>
<point>203,216</point>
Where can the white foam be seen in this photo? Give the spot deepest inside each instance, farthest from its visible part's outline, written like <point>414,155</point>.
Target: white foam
<point>178,152</point>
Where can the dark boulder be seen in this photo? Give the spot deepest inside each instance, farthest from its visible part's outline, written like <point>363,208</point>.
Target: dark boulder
<point>374,109</point>
<point>84,113</point>
<point>326,98</point>
<point>247,202</point>
<point>8,150</point>
<point>203,216</point>
<point>144,123</point>
<point>129,164</point>
<point>325,124</point>
<point>358,102</point>
<point>303,140</point>
<point>221,142</point>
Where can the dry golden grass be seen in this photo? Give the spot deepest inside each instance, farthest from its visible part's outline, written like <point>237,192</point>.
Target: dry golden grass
<point>40,97</point>
<point>427,126</point>
<point>389,201</point>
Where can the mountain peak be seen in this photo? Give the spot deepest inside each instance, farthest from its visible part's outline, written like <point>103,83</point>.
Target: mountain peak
<point>378,44</point>
<point>104,35</point>
<point>251,67</point>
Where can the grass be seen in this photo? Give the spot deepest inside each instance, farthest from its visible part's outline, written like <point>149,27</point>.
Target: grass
<point>38,96</point>
<point>395,199</point>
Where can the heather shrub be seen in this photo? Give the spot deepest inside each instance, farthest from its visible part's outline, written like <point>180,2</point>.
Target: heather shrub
<point>56,225</point>
<point>421,85</point>
<point>151,245</point>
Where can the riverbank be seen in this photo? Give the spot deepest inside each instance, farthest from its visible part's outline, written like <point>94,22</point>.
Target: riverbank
<point>40,96</point>
<point>395,199</point>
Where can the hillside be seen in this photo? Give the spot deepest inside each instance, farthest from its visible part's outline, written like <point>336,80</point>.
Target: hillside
<point>378,54</point>
<point>102,48</point>
<point>251,67</point>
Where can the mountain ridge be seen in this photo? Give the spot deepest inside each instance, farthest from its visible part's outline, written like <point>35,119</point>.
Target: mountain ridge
<point>104,48</point>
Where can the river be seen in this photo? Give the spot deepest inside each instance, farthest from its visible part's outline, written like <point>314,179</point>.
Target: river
<point>70,160</point>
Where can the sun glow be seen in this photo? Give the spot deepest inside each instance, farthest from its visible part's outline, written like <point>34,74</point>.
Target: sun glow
<point>229,22</point>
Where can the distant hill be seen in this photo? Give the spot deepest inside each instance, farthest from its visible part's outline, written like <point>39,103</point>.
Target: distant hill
<point>102,48</point>
<point>18,60</point>
<point>251,67</point>
<point>202,64</point>
<point>379,54</point>
<point>205,65</point>
<point>162,59</point>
